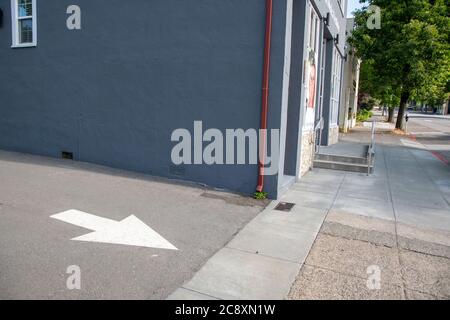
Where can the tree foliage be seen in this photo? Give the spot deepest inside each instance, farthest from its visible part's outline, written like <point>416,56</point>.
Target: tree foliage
<point>410,55</point>
<point>373,85</point>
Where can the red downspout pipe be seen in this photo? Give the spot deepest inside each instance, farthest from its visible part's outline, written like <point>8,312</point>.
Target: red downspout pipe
<point>265,95</point>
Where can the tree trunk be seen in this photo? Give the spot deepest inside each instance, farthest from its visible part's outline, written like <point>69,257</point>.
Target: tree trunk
<point>391,115</point>
<point>401,111</point>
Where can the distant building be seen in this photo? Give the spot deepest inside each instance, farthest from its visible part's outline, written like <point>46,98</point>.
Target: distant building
<point>446,108</point>
<point>350,86</point>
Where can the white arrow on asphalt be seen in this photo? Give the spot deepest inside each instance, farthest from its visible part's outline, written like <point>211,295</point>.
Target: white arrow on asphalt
<point>131,231</point>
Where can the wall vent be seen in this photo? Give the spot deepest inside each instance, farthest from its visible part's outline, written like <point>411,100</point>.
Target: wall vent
<point>67,155</point>
<point>177,170</point>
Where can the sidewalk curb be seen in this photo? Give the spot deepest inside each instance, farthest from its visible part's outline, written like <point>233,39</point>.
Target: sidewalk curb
<point>259,265</point>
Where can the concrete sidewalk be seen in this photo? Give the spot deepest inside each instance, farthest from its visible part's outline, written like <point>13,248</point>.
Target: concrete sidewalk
<point>263,260</point>
<point>397,220</point>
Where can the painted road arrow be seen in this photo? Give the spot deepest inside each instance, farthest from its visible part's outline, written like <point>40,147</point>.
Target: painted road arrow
<point>131,231</point>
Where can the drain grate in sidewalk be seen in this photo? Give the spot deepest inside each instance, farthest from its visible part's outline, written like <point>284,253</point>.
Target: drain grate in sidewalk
<point>285,206</point>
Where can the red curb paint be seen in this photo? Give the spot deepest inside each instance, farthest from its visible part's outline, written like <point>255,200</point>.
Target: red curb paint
<point>440,157</point>
<point>434,153</point>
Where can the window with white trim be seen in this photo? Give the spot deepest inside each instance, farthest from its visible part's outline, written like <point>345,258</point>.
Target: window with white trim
<point>24,26</point>
<point>335,86</point>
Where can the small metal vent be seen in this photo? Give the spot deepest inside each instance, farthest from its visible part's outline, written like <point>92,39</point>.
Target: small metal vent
<point>177,170</point>
<point>67,155</point>
<point>285,206</point>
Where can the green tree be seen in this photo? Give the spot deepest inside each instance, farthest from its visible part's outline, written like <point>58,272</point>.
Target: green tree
<point>435,93</point>
<point>410,53</point>
<point>378,88</point>
<point>390,98</point>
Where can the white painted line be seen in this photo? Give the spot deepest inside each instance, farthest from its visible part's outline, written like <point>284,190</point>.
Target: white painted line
<point>438,147</point>
<point>412,144</point>
<point>428,133</point>
<point>130,231</point>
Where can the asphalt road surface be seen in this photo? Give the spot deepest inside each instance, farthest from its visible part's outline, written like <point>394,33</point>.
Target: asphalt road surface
<point>433,132</point>
<point>36,251</point>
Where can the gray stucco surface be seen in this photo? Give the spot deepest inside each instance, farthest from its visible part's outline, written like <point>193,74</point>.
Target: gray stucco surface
<point>337,23</point>
<point>113,92</point>
<point>335,35</point>
<point>295,88</point>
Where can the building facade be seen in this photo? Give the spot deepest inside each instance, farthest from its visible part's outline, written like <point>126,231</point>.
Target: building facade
<point>445,107</point>
<point>350,86</point>
<point>319,57</point>
<point>110,81</point>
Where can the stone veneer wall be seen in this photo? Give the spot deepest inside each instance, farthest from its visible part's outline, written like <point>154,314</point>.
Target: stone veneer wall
<point>333,135</point>
<point>307,149</point>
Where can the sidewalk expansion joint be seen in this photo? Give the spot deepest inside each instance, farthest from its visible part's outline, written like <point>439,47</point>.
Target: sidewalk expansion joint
<point>348,274</point>
<point>266,255</point>
<point>360,240</point>
<point>202,293</point>
<point>402,276</point>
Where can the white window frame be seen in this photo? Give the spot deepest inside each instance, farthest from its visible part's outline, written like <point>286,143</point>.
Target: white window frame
<point>15,25</point>
<point>336,87</point>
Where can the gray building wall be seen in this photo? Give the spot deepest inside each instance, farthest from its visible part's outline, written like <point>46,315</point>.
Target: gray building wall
<point>329,65</point>
<point>113,92</point>
<point>294,120</point>
<point>350,85</point>
<point>337,25</point>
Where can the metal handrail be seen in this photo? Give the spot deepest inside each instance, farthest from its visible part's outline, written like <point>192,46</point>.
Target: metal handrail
<point>371,149</point>
<point>316,147</point>
<point>319,127</point>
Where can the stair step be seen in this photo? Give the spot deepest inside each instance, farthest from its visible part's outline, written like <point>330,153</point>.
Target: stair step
<point>345,159</point>
<point>342,166</point>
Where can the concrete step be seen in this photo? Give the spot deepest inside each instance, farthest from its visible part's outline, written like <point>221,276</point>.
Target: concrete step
<point>342,166</point>
<point>337,158</point>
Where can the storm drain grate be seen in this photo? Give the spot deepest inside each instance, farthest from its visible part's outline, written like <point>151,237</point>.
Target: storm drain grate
<point>285,206</point>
